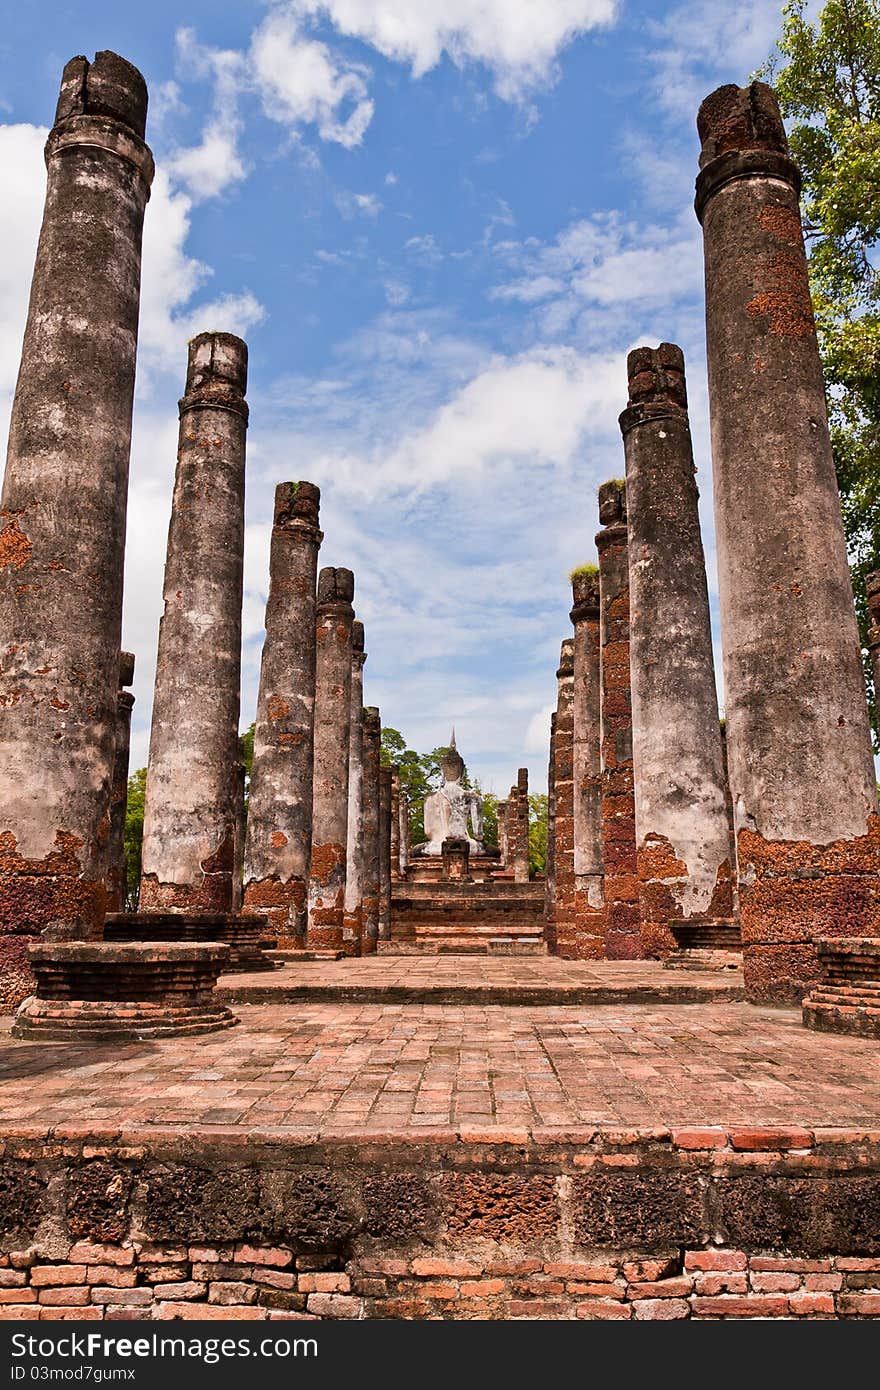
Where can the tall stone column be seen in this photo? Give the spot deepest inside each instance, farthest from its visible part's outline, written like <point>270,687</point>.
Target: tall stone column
<point>395,824</point>
<point>62,516</point>
<point>353,921</point>
<point>189,808</point>
<point>501,813</point>
<point>240,813</point>
<point>117,866</point>
<point>802,775</point>
<point>333,626</point>
<point>520,847</point>
<point>622,936</point>
<point>279,830</point>
<point>372,736</point>
<point>682,826</point>
<point>550,868</point>
<point>385,826</point>
<point>563,783</point>
<point>872,585</point>
<point>589,895</point>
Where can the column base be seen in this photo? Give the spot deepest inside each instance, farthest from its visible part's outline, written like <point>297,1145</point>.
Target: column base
<point>89,992</point>
<point>246,934</point>
<point>847,999</point>
<point>705,943</point>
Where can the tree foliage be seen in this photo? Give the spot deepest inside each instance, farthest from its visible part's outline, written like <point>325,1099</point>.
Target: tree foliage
<point>827,79</point>
<point>134,836</point>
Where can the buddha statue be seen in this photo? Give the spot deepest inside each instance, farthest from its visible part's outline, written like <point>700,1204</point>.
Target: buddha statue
<point>450,811</point>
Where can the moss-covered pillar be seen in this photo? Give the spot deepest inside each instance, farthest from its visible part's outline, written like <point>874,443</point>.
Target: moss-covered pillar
<point>333,635</point>
<point>189,807</point>
<point>589,900</point>
<point>117,865</point>
<point>385,824</point>
<point>563,783</point>
<point>801,770</point>
<point>372,737</point>
<point>622,936</point>
<point>353,921</point>
<point>279,828</point>
<point>63,515</point>
<point>682,826</point>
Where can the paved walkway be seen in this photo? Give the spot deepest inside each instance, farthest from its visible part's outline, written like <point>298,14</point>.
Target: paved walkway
<point>340,1069</point>
<point>472,979</point>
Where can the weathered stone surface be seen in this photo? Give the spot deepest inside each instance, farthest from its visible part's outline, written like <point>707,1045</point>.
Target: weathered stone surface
<point>189,810</point>
<point>682,826</point>
<point>333,624</point>
<point>808,837</point>
<point>279,828</point>
<point>62,516</point>
<point>372,735</point>
<point>384,853</point>
<point>872,586</point>
<point>396,869</point>
<point>353,923</point>
<point>565,916</point>
<point>589,897</point>
<point>621,915</point>
<point>117,867</point>
<point>550,871</point>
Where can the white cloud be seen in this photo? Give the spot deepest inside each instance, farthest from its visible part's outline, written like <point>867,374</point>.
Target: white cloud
<point>517,40</point>
<point>302,82</point>
<point>357,204</point>
<point>703,42</point>
<point>24,184</point>
<point>212,166</point>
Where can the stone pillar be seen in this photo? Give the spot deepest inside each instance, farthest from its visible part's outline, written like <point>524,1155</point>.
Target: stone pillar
<point>62,517</point>
<point>279,832</point>
<point>550,884</point>
<point>372,735</point>
<point>563,782</point>
<point>520,800</point>
<point>395,824</point>
<point>682,826</point>
<point>189,808</point>
<point>240,812</point>
<point>330,796</point>
<point>403,813</point>
<point>117,866</point>
<point>384,853</point>
<point>801,771</point>
<point>872,585</point>
<point>353,922</point>
<point>622,936</point>
<point>501,813</point>
<point>589,937</point>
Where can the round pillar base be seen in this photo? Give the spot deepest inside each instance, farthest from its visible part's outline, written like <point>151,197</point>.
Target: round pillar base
<point>847,1000</point>
<point>246,934</point>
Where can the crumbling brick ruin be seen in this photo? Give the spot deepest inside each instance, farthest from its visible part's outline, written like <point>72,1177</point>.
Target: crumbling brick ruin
<point>364,1103</point>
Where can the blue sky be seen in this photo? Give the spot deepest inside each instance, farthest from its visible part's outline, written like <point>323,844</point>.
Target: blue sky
<point>440,225</point>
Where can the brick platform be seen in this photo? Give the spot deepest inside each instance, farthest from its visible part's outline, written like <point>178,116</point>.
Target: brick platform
<point>247,935</point>
<point>847,999</point>
<point>346,1161</point>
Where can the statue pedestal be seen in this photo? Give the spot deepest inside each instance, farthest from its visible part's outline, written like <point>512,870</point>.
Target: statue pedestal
<point>456,857</point>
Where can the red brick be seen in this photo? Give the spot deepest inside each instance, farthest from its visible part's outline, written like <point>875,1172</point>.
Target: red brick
<point>262,1255</point>
<point>661,1309</point>
<point>771,1139</point>
<point>825,1283</point>
<point>85,1253</point>
<point>437,1290</point>
<point>859,1265</point>
<point>447,1269</point>
<point>15,1311</point>
<point>666,1288</point>
<point>113,1276</point>
<point>18,1296</point>
<point>508,1267</point>
<point>334,1305</point>
<point>12,1278</point>
<point>324,1283</point>
<point>231,1292</point>
<point>715,1259</point>
<point>596,1290</point>
<point>385,1266</point>
<point>483,1288</point>
<point>806,1304</point>
<point>66,1297</point>
<point>649,1271</point>
<point>602,1308</point>
<point>725,1281</point>
<point>536,1308</point>
<point>749,1306</point>
<point>787,1264</point>
<point>186,1288</point>
<point>708,1138</point>
<point>71,1314</point>
<point>201,1311</point>
<point>128,1296</point>
<point>868,1304</point>
<point>55,1275</point>
<point>594,1274</point>
<point>282,1278</point>
<point>775,1283</point>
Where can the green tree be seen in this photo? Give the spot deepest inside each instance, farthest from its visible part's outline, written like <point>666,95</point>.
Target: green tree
<point>537,832</point>
<point>134,836</point>
<point>827,78</point>
<point>246,743</point>
<point>418,777</point>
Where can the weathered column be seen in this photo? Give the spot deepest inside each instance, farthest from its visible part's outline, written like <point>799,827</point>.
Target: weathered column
<point>403,814</point>
<point>372,735</point>
<point>622,936</point>
<point>520,801</point>
<point>62,516</point>
<point>589,936</point>
<point>682,827</point>
<point>189,808</point>
<point>501,813</point>
<point>563,782</point>
<point>550,869</point>
<point>353,920</point>
<point>240,813</point>
<point>385,823</point>
<point>117,866</point>
<point>802,775</point>
<point>333,626</point>
<point>395,824</point>
<point>279,831</point>
<point>872,585</point>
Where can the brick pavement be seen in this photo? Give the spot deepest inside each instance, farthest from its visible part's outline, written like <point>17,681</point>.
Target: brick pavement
<point>329,1070</point>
